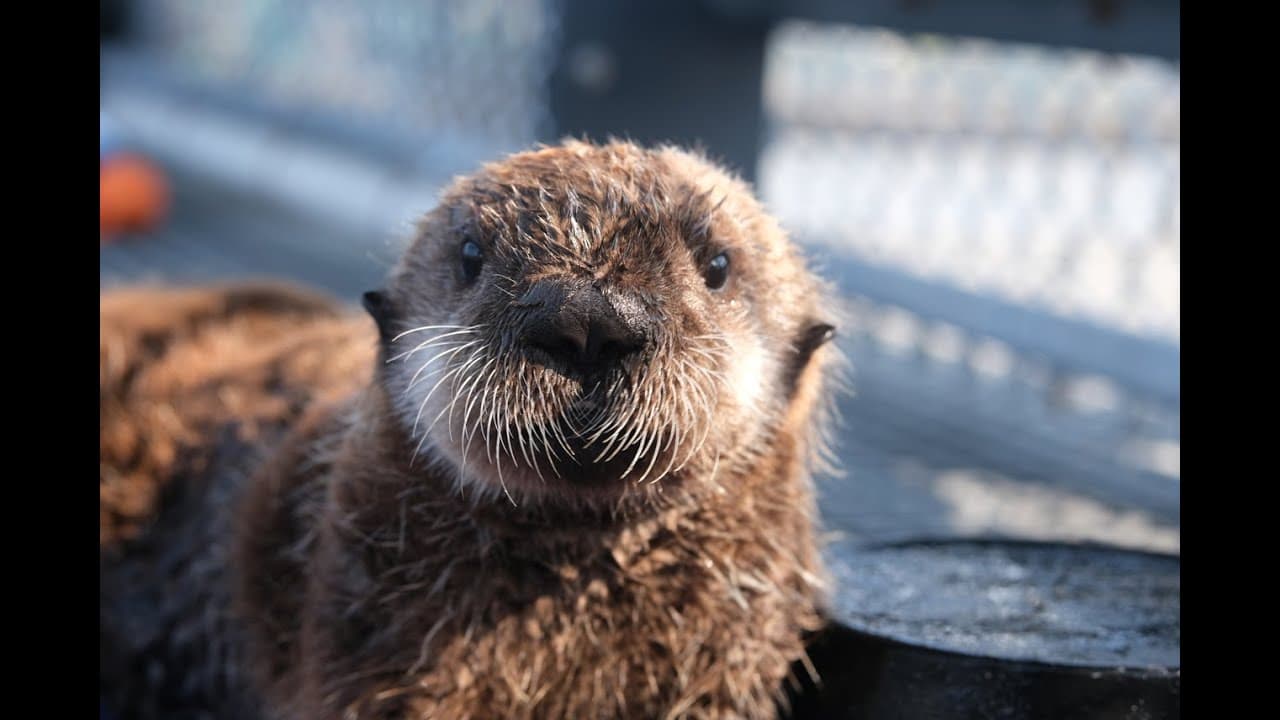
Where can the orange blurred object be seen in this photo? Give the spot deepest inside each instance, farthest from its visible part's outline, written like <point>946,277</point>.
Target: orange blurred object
<point>134,195</point>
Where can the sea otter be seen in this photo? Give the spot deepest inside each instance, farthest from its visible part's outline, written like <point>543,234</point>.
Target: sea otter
<point>564,473</point>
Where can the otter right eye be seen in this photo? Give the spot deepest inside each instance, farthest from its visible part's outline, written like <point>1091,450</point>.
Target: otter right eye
<point>472,259</point>
<point>717,271</point>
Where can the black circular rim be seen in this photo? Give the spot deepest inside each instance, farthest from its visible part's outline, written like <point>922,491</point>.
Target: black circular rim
<point>1025,665</point>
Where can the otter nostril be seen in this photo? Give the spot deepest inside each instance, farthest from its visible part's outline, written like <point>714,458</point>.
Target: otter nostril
<point>562,346</point>
<point>557,335</point>
<point>609,340</point>
<point>618,348</point>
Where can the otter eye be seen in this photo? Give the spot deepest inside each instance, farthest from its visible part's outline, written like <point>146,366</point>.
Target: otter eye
<point>472,259</point>
<point>717,271</point>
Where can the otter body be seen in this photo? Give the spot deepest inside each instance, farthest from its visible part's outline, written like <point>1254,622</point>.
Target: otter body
<point>562,474</point>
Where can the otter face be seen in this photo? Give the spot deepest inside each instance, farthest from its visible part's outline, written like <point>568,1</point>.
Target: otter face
<point>584,320</point>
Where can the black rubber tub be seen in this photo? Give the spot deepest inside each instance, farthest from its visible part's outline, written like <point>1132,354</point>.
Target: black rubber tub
<point>998,629</point>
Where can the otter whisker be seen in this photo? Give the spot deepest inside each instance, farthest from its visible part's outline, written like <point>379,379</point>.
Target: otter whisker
<point>635,458</point>
<point>626,424</point>
<point>474,394</point>
<point>706,425</point>
<point>422,405</point>
<point>483,420</point>
<point>528,450</point>
<point>578,420</point>
<point>547,448</point>
<point>430,328</point>
<point>486,421</point>
<point>648,438</point>
<point>551,428</point>
<point>657,449</point>
<point>508,279</point>
<point>458,392</point>
<point>625,435</point>
<point>713,358</point>
<point>468,430</point>
<point>521,428</point>
<point>598,411</point>
<point>619,429</point>
<point>557,431</point>
<point>642,421</point>
<point>462,368</point>
<point>610,418</point>
<point>502,481</point>
<point>450,351</point>
<point>427,433</point>
<point>707,397</point>
<point>507,492</point>
<point>710,353</point>
<point>670,449</point>
<point>541,427</point>
<point>517,409</point>
<point>689,419</point>
<point>721,342</point>
<point>715,378</point>
<point>433,340</point>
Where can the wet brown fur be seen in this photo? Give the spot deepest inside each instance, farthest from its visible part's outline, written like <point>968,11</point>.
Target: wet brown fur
<point>360,580</point>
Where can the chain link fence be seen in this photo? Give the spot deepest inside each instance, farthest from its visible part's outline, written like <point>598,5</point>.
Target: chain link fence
<point>1005,220</point>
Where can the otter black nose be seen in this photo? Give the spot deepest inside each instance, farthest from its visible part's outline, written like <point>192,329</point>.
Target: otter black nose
<point>576,326</point>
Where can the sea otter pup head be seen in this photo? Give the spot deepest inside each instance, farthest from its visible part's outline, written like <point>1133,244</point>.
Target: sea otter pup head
<point>586,322</point>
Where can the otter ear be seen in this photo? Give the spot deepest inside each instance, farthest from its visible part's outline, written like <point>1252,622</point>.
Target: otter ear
<point>379,307</point>
<point>814,336</point>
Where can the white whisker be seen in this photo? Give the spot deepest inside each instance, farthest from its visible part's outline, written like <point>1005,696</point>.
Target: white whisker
<point>430,327</point>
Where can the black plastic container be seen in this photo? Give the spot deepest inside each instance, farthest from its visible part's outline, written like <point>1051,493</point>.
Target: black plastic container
<point>994,629</point>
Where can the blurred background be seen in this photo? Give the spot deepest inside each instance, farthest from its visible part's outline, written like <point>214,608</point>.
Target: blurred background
<point>993,184</point>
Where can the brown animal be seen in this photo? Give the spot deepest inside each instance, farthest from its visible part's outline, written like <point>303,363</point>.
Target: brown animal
<point>564,474</point>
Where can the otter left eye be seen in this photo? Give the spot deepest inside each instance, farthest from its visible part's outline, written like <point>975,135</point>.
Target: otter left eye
<point>472,258</point>
<point>717,271</point>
